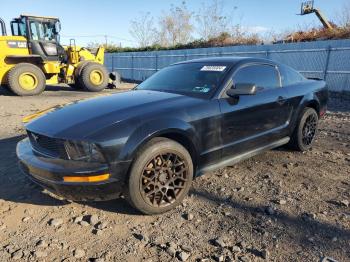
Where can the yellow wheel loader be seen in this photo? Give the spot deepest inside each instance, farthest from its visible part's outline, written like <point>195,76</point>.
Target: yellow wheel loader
<point>32,58</point>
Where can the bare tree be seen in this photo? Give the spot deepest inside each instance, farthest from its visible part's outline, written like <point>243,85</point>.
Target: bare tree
<point>93,45</point>
<point>142,29</point>
<point>344,16</point>
<point>212,20</point>
<point>175,26</point>
<point>271,36</point>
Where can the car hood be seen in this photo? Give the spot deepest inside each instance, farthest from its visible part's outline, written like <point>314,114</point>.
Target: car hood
<point>80,119</point>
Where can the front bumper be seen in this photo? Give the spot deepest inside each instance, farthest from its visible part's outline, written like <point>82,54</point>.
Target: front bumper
<point>49,173</point>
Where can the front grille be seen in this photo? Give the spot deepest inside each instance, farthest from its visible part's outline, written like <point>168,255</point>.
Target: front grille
<point>47,146</point>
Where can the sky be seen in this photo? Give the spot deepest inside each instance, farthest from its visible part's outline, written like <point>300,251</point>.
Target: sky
<point>89,21</point>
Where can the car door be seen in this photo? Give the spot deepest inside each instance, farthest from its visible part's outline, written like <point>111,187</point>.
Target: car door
<point>252,121</point>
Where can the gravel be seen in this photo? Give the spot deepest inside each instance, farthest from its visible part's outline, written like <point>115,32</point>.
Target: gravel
<point>17,255</point>
<point>84,223</point>
<point>183,256</point>
<point>281,202</point>
<point>79,253</point>
<point>56,222</point>
<point>40,254</point>
<point>41,243</point>
<point>93,220</point>
<point>171,251</point>
<point>78,219</point>
<point>344,202</point>
<point>220,241</point>
<point>189,216</point>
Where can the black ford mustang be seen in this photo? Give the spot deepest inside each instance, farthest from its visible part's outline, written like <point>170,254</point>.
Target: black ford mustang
<point>187,119</point>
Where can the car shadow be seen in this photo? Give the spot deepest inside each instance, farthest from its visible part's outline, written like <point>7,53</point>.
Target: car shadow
<point>15,187</point>
<point>302,229</point>
<point>119,205</point>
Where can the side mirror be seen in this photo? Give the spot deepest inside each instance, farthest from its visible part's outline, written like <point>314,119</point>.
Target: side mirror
<point>242,89</point>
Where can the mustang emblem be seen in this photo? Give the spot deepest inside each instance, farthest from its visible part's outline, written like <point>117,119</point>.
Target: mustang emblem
<point>35,137</point>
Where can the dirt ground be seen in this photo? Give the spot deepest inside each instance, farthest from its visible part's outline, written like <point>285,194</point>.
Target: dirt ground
<point>278,206</point>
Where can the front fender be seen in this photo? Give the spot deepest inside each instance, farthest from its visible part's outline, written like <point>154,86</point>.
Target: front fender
<point>154,128</point>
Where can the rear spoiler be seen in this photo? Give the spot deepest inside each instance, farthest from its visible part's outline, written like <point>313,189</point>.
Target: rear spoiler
<point>315,78</point>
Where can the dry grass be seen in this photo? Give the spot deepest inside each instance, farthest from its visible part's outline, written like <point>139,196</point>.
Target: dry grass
<point>314,34</point>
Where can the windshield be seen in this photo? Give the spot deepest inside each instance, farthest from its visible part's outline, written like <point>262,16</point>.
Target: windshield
<point>198,79</point>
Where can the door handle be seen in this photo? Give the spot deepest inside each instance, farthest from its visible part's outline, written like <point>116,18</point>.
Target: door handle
<point>281,100</point>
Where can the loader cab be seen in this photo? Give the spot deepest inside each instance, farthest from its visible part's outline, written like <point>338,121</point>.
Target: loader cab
<point>42,34</point>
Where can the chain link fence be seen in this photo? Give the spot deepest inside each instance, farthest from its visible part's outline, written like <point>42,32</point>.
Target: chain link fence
<point>328,60</point>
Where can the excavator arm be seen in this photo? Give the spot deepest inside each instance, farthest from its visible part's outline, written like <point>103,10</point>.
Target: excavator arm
<point>323,19</point>
<point>307,7</point>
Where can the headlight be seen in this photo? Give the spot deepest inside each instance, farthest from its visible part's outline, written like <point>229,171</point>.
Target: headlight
<point>83,151</point>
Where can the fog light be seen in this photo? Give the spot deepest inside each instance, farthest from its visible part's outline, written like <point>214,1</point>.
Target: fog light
<point>86,179</point>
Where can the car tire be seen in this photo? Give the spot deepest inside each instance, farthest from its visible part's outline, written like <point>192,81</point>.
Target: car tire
<point>94,77</point>
<point>26,80</point>
<point>160,176</point>
<point>306,130</point>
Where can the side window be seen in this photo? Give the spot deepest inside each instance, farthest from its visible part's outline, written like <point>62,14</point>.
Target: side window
<point>41,31</point>
<point>263,76</point>
<point>48,32</point>
<point>22,27</point>
<point>15,28</point>
<point>289,76</point>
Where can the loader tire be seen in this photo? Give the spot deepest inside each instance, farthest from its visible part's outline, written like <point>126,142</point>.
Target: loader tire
<point>26,80</point>
<point>94,77</point>
<point>77,76</point>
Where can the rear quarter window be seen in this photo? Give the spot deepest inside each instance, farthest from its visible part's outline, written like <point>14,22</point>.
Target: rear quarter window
<point>289,76</point>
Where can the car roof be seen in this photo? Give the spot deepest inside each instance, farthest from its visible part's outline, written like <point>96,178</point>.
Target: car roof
<point>233,60</point>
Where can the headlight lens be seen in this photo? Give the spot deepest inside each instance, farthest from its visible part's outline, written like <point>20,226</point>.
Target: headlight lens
<point>83,151</point>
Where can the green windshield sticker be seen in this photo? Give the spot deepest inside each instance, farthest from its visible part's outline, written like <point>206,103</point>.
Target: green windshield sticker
<point>213,68</point>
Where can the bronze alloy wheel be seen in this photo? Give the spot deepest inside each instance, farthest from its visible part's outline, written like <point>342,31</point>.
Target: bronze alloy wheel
<point>160,176</point>
<point>163,179</point>
<point>309,130</point>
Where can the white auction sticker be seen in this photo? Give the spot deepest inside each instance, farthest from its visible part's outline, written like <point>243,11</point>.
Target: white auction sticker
<point>213,68</point>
